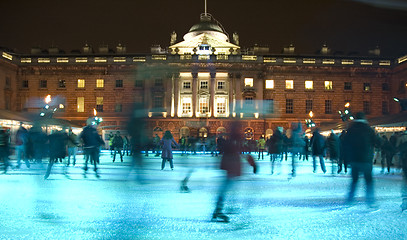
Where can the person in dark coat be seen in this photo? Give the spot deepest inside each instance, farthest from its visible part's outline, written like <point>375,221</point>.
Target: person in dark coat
<point>167,142</point>
<point>359,143</point>
<point>21,142</point>
<point>387,153</point>
<point>333,144</point>
<point>117,145</point>
<point>232,164</point>
<point>4,148</point>
<point>57,149</point>
<point>39,141</point>
<point>297,144</point>
<point>276,147</point>
<point>342,153</point>
<point>318,150</point>
<point>402,148</point>
<point>91,145</point>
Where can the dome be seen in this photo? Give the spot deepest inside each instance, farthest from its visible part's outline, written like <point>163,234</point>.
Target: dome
<point>209,26</point>
<point>206,26</point>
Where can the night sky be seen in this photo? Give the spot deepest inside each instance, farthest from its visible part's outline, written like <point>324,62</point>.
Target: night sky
<point>348,27</point>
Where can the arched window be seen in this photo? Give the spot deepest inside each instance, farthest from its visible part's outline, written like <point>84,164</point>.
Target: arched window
<point>203,132</point>
<point>184,132</point>
<point>249,133</point>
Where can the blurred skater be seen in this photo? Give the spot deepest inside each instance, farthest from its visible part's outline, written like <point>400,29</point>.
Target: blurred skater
<point>91,145</point>
<point>318,150</point>
<point>232,164</point>
<point>359,145</point>
<point>57,149</point>
<point>4,148</point>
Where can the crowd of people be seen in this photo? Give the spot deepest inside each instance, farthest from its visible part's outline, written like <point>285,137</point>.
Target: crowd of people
<point>357,147</point>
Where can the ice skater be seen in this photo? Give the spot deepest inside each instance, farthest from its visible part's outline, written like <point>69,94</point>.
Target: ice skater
<point>167,142</point>
<point>232,164</point>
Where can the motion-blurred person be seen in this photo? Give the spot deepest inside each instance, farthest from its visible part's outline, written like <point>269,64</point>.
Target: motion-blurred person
<point>138,138</point>
<point>126,146</point>
<point>333,144</point>
<point>183,145</point>
<point>318,150</point>
<point>72,147</point>
<point>111,136</point>
<point>167,142</point>
<point>220,142</point>
<point>21,146</point>
<point>117,146</point>
<point>39,139</point>
<point>261,146</point>
<point>387,154</point>
<point>276,147</point>
<point>342,161</point>
<point>306,148</point>
<point>156,145</point>
<point>57,149</point>
<point>359,145</point>
<point>4,148</point>
<point>91,145</point>
<point>297,144</point>
<point>232,164</point>
<point>402,148</point>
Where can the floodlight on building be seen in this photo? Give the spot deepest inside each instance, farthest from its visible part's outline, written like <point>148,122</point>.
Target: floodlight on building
<point>47,99</point>
<point>396,99</point>
<point>347,104</point>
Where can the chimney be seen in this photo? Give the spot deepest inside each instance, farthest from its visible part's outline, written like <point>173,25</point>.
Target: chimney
<point>120,48</point>
<point>103,48</point>
<point>35,50</point>
<point>290,49</point>
<point>325,49</point>
<point>87,49</point>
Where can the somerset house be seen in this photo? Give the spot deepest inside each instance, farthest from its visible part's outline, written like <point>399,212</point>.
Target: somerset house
<point>201,81</point>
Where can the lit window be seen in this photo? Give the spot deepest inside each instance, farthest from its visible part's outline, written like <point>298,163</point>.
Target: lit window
<point>309,84</point>
<point>248,82</point>
<point>203,105</point>
<point>204,84</point>
<point>221,85</point>
<point>100,83</point>
<point>366,87</point>
<point>186,85</point>
<point>186,105</point>
<point>80,101</point>
<point>81,83</point>
<point>99,104</point>
<point>328,85</point>
<point>221,105</point>
<point>269,84</point>
<point>289,84</point>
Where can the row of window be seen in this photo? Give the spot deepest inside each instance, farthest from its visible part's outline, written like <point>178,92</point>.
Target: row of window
<point>220,85</point>
<point>80,103</point>
<point>309,85</point>
<point>221,105</point>
<point>289,106</point>
<point>100,83</point>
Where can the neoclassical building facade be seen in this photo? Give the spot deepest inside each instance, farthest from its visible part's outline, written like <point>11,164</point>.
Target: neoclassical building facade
<point>196,86</point>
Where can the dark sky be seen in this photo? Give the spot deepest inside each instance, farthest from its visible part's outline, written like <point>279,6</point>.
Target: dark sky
<point>346,26</point>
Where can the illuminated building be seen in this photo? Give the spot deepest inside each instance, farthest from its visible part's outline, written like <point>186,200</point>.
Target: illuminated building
<point>197,85</point>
